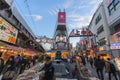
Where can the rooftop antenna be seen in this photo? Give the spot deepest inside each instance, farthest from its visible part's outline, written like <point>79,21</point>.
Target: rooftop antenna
<point>64,10</point>
<point>59,10</point>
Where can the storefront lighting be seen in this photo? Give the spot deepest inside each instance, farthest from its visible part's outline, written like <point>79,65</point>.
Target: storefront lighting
<point>2,50</point>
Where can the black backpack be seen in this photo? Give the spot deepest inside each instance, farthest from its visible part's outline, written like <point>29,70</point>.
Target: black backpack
<point>1,62</point>
<point>112,67</point>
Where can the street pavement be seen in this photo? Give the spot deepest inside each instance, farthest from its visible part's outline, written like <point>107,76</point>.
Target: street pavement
<point>93,73</point>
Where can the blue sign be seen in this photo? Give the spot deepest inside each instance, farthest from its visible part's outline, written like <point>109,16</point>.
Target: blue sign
<point>115,45</point>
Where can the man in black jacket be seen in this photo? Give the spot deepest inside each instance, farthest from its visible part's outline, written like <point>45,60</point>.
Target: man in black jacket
<point>49,69</point>
<point>99,65</point>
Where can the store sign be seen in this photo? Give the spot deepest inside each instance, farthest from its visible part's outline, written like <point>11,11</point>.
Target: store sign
<point>8,33</point>
<point>61,39</point>
<point>80,33</point>
<point>61,17</point>
<point>115,45</point>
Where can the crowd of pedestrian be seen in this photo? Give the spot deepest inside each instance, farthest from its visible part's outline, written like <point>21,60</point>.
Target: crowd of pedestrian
<point>18,63</point>
<point>101,66</point>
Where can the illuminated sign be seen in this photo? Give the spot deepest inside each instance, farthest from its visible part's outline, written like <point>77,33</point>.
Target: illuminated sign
<point>115,45</point>
<point>61,39</point>
<point>8,33</point>
<point>61,17</point>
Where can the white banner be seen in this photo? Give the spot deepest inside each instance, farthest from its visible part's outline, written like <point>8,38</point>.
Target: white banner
<point>8,33</point>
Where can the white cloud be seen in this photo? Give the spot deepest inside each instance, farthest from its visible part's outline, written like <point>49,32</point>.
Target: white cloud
<point>95,4</point>
<point>53,11</point>
<point>68,3</point>
<point>36,17</point>
<point>82,7</point>
<point>78,21</point>
<point>50,12</point>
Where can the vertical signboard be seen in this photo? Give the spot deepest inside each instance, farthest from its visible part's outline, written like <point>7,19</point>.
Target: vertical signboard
<point>61,17</point>
<point>8,33</point>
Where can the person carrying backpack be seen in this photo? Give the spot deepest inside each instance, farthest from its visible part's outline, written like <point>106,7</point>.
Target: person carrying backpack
<point>99,65</point>
<point>110,68</point>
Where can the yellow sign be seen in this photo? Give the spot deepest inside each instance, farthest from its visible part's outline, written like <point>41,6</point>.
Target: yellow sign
<point>8,32</point>
<point>101,48</point>
<point>1,22</point>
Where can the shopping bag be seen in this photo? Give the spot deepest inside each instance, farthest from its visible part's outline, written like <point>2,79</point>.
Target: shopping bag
<point>106,75</point>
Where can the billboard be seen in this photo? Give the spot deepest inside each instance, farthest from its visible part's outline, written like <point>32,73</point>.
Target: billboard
<point>61,17</point>
<point>61,39</point>
<point>8,33</point>
<point>115,45</point>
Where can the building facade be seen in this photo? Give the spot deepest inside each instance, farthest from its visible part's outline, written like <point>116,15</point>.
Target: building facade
<point>100,29</point>
<point>112,10</point>
<point>61,34</point>
<point>13,28</point>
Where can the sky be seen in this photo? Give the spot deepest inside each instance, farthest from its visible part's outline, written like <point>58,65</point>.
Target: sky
<point>41,15</point>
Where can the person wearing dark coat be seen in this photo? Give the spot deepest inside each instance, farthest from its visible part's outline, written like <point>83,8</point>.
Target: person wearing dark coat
<point>83,60</point>
<point>110,69</point>
<point>91,61</point>
<point>49,69</point>
<point>10,64</point>
<point>99,65</point>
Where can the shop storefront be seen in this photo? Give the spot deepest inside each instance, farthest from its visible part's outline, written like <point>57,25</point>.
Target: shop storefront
<point>8,33</point>
<point>115,48</point>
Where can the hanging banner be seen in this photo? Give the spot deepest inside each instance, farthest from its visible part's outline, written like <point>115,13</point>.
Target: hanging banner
<point>8,33</point>
<point>83,32</point>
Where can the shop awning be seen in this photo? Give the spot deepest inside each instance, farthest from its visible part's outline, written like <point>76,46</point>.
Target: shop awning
<point>30,52</point>
<point>3,45</point>
<point>103,52</point>
<point>14,47</point>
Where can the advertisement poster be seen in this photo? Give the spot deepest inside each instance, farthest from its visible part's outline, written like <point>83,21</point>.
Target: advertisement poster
<point>8,33</point>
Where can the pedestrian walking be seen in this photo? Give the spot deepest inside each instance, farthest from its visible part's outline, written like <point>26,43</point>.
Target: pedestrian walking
<point>83,60</point>
<point>91,61</point>
<point>73,73</point>
<point>110,69</point>
<point>99,65</point>
<point>49,69</point>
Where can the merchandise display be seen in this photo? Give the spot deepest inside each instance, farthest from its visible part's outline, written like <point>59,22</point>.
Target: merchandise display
<point>33,73</point>
<point>117,61</point>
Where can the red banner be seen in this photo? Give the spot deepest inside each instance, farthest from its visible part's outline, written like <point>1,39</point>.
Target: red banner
<point>72,33</point>
<point>61,17</point>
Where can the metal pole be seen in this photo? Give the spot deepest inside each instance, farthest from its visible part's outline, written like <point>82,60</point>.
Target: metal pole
<point>110,47</point>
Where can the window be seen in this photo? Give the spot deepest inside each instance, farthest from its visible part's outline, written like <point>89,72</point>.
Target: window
<point>100,29</point>
<point>98,19</point>
<point>111,8</point>
<point>102,41</point>
<point>115,4</point>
